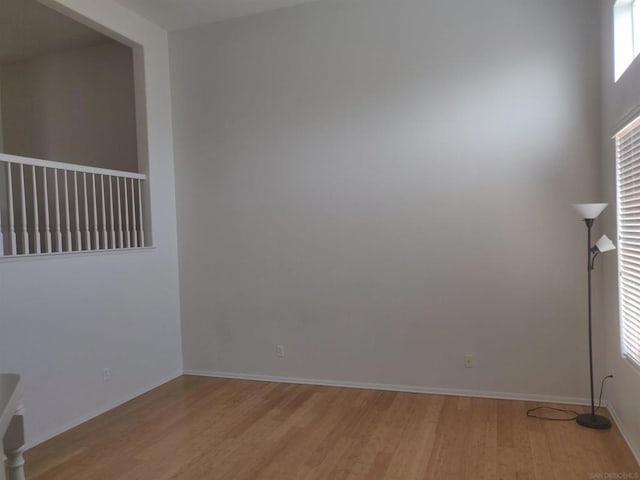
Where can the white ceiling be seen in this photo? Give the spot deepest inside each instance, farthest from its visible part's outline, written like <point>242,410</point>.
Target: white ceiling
<point>29,29</point>
<point>180,14</point>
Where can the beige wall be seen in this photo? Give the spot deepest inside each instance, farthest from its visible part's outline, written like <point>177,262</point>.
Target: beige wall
<point>619,99</point>
<point>383,187</point>
<point>75,106</point>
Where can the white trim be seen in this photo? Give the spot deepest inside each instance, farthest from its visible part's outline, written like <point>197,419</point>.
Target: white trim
<point>616,419</point>
<point>629,121</point>
<point>72,167</point>
<point>629,361</point>
<point>74,253</point>
<point>85,418</point>
<point>397,388</point>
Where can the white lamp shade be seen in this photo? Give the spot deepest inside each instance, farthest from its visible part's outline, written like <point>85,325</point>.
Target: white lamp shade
<point>605,244</point>
<point>589,210</point>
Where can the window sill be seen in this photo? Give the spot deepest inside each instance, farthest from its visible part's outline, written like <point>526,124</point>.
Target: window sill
<point>632,365</point>
<point>88,253</point>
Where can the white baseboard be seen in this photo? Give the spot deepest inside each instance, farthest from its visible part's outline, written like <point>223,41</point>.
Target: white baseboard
<point>30,443</point>
<point>396,388</point>
<point>635,451</point>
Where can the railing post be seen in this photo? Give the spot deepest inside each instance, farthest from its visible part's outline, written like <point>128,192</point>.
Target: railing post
<point>120,233</point>
<point>77,211</point>
<point>126,214</point>
<point>140,213</point>
<point>36,215</point>
<point>23,204</point>
<point>12,229</point>
<point>1,234</point>
<point>112,224</point>
<point>105,239</point>
<point>47,228</point>
<point>87,228</point>
<point>96,237</point>
<point>67,216</point>
<point>57,199</point>
<point>134,229</point>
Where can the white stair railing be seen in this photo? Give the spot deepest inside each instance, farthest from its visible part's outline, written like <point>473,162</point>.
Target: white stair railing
<point>51,207</point>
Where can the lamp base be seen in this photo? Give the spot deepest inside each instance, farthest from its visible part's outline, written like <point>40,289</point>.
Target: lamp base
<point>593,421</point>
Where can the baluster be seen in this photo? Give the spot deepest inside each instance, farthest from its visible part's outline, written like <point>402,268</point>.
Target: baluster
<point>140,213</point>
<point>57,225</point>
<point>77,211</point>
<point>36,219</point>
<point>14,464</point>
<point>120,234</point>
<point>23,204</point>
<point>113,227</point>
<point>66,210</point>
<point>126,214</point>
<point>47,228</point>
<point>96,237</point>
<point>1,236</point>
<point>12,227</point>
<point>134,228</point>
<point>87,228</point>
<point>105,238</point>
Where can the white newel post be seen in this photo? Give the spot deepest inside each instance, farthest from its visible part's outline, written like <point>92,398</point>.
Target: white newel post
<point>14,447</point>
<point>12,425</point>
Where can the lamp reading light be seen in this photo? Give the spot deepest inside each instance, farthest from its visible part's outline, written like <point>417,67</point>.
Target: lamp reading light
<point>603,245</point>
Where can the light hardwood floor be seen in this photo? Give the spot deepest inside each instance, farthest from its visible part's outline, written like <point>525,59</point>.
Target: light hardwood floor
<point>204,428</point>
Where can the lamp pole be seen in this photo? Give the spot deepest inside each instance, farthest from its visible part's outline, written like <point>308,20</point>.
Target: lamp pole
<point>591,420</point>
<point>589,222</point>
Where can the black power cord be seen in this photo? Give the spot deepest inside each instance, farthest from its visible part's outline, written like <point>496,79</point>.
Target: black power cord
<point>530,412</point>
<point>601,389</point>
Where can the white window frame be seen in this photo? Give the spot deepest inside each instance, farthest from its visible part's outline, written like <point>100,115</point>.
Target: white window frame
<point>628,227</point>
<point>626,28</point>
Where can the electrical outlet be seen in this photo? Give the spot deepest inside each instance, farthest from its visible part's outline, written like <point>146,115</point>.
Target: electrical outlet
<point>106,374</point>
<point>468,361</point>
<point>280,351</point>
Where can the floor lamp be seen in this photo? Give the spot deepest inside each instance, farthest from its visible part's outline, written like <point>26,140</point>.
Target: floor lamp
<point>589,212</point>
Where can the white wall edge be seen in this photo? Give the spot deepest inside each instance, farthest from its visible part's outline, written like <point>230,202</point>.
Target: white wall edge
<point>397,388</point>
<point>53,433</point>
<point>76,253</point>
<point>616,419</point>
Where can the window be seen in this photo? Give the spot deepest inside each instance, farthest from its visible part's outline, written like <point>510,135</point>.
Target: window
<point>626,26</point>
<point>628,191</point>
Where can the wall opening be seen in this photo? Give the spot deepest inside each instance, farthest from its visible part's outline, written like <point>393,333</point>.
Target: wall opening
<point>70,172</point>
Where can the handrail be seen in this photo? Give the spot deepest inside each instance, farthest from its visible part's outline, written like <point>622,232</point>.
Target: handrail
<point>36,162</point>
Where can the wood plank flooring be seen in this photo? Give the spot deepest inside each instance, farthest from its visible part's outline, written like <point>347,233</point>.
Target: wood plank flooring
<point>205,428</point>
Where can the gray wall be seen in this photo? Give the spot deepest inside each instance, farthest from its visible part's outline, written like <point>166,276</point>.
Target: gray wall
<point>383,187</point>
<point>75,106</point>
<point>619,99</point>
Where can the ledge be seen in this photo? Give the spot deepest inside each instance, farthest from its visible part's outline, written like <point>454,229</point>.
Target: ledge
<point>87,253</point>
